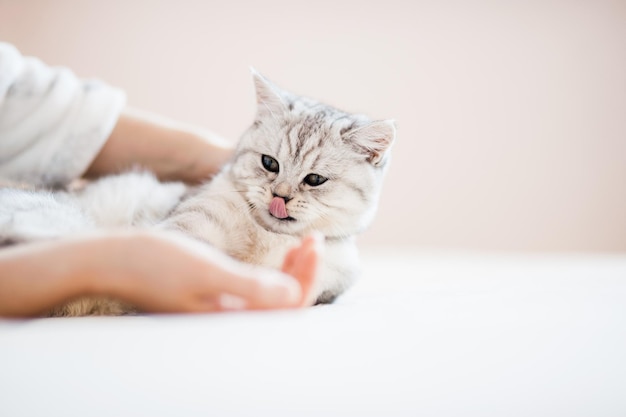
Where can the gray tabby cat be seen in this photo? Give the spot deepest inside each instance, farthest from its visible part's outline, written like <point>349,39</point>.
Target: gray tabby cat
<point>301,167</point>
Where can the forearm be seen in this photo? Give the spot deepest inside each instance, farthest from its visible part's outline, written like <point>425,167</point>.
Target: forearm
<point>36,277</point>
<point>159,272</point>
<point>173,151</point>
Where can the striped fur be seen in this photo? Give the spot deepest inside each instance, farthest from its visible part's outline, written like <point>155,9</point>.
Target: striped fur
<point>231,212</point>
<point>304,137</point>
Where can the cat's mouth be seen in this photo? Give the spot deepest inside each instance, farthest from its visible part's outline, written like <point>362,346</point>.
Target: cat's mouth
<point>278,209</point>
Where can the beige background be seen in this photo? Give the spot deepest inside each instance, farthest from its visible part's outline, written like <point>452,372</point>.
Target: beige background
<point>511,114</point>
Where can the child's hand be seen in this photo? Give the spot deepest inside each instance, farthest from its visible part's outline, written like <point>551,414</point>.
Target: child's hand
<point>171,273</point>
<point>302,263</point>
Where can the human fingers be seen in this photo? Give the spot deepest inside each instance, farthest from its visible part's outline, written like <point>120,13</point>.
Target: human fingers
<point>255,288</point>
<point>191,276</point>
<point>308,266</point>
<point>290,259</point>
<point>302,262</point>
<point>243,286</point>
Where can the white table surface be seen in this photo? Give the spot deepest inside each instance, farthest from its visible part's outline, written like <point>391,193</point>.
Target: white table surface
<point>421,334</point>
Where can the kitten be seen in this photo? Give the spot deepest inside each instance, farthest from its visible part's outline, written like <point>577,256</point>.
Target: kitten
<point>301,167</point>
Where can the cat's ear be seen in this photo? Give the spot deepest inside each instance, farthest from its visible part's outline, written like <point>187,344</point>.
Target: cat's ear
<point>270,102</point>
<point>374,139</point>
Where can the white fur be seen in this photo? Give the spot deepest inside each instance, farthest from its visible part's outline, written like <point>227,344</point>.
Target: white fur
<point>232,211</point>
<point>28,215</point>
<point>132,199</point>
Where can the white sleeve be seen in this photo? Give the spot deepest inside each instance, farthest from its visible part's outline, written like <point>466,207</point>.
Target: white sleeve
<point>52,124</point>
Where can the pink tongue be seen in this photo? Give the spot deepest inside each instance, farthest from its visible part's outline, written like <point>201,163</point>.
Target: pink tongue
<point>277,208</point>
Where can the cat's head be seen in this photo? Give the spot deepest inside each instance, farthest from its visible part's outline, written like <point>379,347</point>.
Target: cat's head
<point>304,166</point>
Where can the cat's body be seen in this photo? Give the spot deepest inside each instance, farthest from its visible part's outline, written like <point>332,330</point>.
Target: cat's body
<point>302,167</point>
<point>228,223</point>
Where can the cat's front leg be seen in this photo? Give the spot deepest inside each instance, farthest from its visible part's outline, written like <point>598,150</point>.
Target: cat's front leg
<point>339,270</point>
<point>198,224</point>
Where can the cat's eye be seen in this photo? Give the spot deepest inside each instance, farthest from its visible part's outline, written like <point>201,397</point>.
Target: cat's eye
<point>270,163</point>
<point>314,180</point>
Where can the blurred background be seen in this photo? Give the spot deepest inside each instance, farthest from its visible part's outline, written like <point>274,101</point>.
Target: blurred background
<point>511,115</point>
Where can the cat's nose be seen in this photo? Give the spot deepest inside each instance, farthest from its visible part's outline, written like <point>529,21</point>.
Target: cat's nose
<point>283,190</point>
<point>284,197</point>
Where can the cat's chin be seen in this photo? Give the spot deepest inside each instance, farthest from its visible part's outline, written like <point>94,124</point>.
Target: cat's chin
<point>288,225</point>
<point>284,219</point>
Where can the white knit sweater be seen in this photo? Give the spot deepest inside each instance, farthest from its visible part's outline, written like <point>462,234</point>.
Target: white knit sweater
<point>52,124</point>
